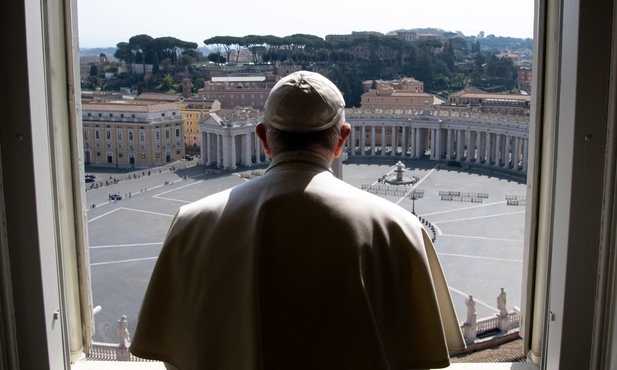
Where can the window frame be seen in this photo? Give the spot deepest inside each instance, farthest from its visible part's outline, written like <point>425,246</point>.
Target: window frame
<point>555,274</point>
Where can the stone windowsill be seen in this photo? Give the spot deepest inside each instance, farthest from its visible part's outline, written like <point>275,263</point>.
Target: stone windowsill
<point>119,365</point>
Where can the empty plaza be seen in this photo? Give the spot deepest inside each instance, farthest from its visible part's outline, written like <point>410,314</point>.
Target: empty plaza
<point>479,240</point>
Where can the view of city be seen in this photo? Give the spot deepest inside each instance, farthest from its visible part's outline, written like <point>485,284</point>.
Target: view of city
<point>336,184</point>
<point>168,121</point>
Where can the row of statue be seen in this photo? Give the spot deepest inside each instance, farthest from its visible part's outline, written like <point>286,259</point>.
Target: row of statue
<point>471,308</point>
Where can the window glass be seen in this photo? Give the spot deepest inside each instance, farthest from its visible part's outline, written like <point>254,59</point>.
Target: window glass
<point>464,167</point>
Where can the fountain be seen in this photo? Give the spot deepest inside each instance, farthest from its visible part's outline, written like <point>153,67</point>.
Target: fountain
<point>398,178</point>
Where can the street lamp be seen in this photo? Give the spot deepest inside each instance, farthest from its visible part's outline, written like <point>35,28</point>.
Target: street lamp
<point>415,194</point>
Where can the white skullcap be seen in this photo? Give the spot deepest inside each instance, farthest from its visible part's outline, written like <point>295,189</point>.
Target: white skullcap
<point>304,102</point>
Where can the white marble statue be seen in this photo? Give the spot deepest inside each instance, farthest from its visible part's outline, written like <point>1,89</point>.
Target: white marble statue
<point>471,310</point>
<point>122,329</point>
<point>501,303</point>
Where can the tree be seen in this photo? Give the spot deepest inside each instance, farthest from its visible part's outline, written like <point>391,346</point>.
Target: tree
<point>216,58</point>
<point>199,83</point>
<point>500,73</point>
<point>124,52</point>
<point>143,46</point>
<point>217,43</point>
<point>186,61</point>
<point>167,84</point>
<point>424,70</point>
<point>475,47</point>
<point>459,43</point>
<point>255,44</point>
<point>447,55</point>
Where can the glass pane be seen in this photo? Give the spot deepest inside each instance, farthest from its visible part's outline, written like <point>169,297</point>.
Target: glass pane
<point>440,112</point>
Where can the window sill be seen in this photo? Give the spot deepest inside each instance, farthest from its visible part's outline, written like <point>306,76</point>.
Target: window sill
<point>119,365</point>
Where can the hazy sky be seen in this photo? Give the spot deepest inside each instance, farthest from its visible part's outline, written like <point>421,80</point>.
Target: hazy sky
<point>105,23</point>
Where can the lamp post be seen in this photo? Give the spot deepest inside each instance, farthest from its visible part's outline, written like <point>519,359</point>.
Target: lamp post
<point>415,194</point>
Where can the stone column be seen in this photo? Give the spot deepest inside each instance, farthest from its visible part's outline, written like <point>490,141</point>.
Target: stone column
<point>404,135</point>
<point>394,140</point>
<point>373,140</point>
<point>470,147</point>
<point>222,149</point>
<point>206,149</point>
<point>515,152</point>
<point>460,145</point>
<point>498,157</point>
<point>352,140</point>
<point>362,140</point>
<point>506,150</point>
<point>433,143</point>
<point>489,147</point>
<point>480,145</point>
<point>475,145</point>
<point>247,154</point>
<point>415,149</point>
<point>383,139</point>
<point>232,156</point>
<point>449,144</point>
<point>438,143</point>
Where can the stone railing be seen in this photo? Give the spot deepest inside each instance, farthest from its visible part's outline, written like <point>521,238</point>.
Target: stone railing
<point>491,326</point>
<point>498,119</point>
<point>111,352</point>
<point>487,324</point>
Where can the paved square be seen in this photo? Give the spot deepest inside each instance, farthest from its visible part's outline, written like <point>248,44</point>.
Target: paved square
<point>480,245</point>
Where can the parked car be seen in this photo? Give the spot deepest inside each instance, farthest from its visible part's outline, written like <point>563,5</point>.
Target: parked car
<point>116,196</point>
<point>90,178</point>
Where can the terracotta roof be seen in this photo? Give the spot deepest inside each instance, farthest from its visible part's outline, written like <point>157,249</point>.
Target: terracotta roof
<point>123,107</point>
<point>411,94</point>
<point>468,90</point>
<point>159,97</point>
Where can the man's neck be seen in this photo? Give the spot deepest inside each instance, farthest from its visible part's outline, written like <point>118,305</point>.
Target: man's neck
<point>328,155</point>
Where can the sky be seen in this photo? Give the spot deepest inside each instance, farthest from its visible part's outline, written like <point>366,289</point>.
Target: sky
<point>106,23</point>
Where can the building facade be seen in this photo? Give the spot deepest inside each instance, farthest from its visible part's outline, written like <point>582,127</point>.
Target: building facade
<point>132,135</point>
<point>463,136</point>
<point>524,75</point>
<point>229,139</point>
<point>193,111</point>
<point>404,93</point>
<point>238,91</point>
<point>479,100</point>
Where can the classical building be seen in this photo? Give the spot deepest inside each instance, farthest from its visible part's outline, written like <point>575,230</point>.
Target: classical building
<point>229,139</point>
<point>490,102</point>
<point>404,93</point>
<point>194,110</point>
<point>238,91</point>
<point>407,36</point>
<point>132,134</point>
<point>463,136</point>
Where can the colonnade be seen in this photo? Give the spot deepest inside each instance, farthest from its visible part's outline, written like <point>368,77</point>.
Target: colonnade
<point>477,141</point>
<point>228,149</point>
<point>438,140</point>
